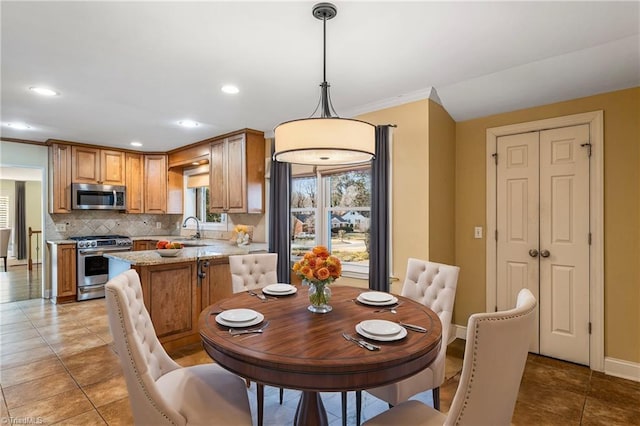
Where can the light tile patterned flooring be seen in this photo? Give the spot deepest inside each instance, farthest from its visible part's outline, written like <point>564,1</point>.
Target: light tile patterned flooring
<point>57,367</point>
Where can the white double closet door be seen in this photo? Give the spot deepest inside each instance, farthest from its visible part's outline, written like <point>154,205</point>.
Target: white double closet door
<point>542,224</point>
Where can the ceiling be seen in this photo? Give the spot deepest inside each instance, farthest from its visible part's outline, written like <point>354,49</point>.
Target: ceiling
<point>130,70</point>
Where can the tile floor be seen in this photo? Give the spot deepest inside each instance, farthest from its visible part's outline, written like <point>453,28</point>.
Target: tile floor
<point>57,367</point>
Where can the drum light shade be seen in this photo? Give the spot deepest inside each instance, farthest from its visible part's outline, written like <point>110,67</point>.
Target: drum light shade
<point>328,139</point>
<point>324,141</point>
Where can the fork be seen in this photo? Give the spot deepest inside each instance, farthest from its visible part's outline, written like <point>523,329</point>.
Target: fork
<point>361,343</point>
<point>258,295</point>
<point>234,332</point>
<point>391,309</point>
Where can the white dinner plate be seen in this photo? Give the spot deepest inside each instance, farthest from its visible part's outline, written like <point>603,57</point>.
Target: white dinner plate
<point>237,324</point>
<point>380,327</point>
<point>392,301</point>
<point>401,335</point>
<point>279,288</point>
<point>238,315</point>
<point>376,296</point>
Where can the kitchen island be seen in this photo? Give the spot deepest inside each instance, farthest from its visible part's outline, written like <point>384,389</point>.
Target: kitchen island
<point>176,289</point>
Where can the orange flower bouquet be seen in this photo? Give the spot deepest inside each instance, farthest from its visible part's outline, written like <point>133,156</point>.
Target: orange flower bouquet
<point>319,269</point>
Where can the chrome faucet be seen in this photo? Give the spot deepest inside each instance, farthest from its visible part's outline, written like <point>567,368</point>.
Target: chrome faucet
<point>184,225</point>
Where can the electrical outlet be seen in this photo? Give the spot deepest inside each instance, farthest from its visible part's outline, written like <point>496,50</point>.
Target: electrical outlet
<point>159,225</point>
<point>477,232</point>
<point>61,227</point>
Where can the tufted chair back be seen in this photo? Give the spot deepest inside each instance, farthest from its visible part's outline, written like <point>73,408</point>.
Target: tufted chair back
<point>142,357</point>
<point>251,271</point>
<point>434,285</point>
<point>494,358</point>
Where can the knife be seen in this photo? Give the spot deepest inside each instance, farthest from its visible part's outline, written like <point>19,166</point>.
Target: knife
<point>413,327</point>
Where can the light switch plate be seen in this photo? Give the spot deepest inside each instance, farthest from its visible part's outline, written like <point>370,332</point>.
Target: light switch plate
<point>159,225</point>
<point>61,227</point>
<point>477,232</point>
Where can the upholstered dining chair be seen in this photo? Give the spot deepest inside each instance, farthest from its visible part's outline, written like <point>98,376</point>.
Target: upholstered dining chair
<point>494,359</point>
<point>253,272</point>
<point>434,285</point>
<point>5,237</point>
<point>161,392</point>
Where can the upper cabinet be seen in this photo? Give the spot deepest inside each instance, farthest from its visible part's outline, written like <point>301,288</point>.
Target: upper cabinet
<point>134,173</point>
<point>155,183</point>
<point>93,165</point>
<point>237,173</point>
<point>59,178</point>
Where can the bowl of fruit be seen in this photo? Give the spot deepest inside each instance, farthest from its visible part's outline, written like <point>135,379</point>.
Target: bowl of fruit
<point>169,249</point>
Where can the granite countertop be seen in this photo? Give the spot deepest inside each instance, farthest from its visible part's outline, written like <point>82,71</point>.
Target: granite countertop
<point>188,254</point>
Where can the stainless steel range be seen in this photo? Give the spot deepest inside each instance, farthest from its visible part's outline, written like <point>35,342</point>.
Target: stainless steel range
<point>93,267</point>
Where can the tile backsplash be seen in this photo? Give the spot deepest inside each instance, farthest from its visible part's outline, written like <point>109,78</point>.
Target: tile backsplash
<point>95,222</point>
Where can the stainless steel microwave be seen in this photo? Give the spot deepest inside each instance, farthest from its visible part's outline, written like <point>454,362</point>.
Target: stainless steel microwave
<point>98,197</point>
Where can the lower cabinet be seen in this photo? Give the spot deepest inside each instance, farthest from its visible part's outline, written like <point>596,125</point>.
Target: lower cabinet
<point>139,245</point>
<point>174,296</point>
<point>216,282</point>
<point>62,258</point>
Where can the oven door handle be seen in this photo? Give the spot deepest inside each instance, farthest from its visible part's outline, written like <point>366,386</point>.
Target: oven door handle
<point>90,288</point>
<point>101,252</point>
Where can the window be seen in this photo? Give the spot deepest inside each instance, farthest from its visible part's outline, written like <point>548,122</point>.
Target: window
<point>4,212</point>
<point>333,209</point>
<point>196,199</point>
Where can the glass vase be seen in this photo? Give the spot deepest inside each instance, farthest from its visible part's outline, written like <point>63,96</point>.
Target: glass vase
<point>319,296</point>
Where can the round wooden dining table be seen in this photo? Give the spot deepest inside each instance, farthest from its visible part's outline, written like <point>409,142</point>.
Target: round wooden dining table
<point>306,351</point>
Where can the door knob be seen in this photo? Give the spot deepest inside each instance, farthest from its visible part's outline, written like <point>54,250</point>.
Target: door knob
<point>545,253</point>
<point>533,253</point>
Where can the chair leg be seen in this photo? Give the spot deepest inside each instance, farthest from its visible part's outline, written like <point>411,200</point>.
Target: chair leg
<point>260,398</point>
<point>344,409</point>
<point>436,398</point>
<point>281,395</point>
<point>358,406</point>
<point>5,263</point>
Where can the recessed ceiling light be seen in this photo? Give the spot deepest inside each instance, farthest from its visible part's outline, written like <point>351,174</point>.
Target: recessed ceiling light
<point>230,89</point>
<point>44,91</point>
<point>18,126</point>
<point>188,123</point>
<point>134,143</point>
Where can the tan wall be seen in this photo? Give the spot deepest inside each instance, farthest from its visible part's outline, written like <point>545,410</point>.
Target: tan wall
<point>621,211</point>
<point>410,185</point>
<point>442,174</point>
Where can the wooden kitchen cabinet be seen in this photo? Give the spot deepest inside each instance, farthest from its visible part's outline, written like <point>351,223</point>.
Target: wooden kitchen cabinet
<point>237,173</point>
<point>59,178</point>
<point>63,272</point>
<point>170,293</point>
<point>97,166</point>
<point>216,283</point>
<point>139,245</point>
<point>134,181</point>
<point>155,183</point>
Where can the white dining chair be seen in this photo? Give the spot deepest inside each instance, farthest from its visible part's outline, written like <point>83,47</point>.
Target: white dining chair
<point>161,392</point>
<point>253,272</point>
<point>434,285</point>
<point>494,359</point>
<point>5,237</point>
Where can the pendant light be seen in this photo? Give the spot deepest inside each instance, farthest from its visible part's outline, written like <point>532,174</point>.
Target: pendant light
<point>327,139</point>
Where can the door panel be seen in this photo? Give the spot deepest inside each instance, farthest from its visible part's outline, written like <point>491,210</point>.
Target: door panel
<point>517,219</point>
<point>564,232</point>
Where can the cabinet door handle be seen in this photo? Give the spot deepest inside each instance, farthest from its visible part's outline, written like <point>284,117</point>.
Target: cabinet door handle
<point>533,253</point>
<point>545,253</point>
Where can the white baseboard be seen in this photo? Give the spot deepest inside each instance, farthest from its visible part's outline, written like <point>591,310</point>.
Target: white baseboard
<point>621,368</point>
<point>459,332</point>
